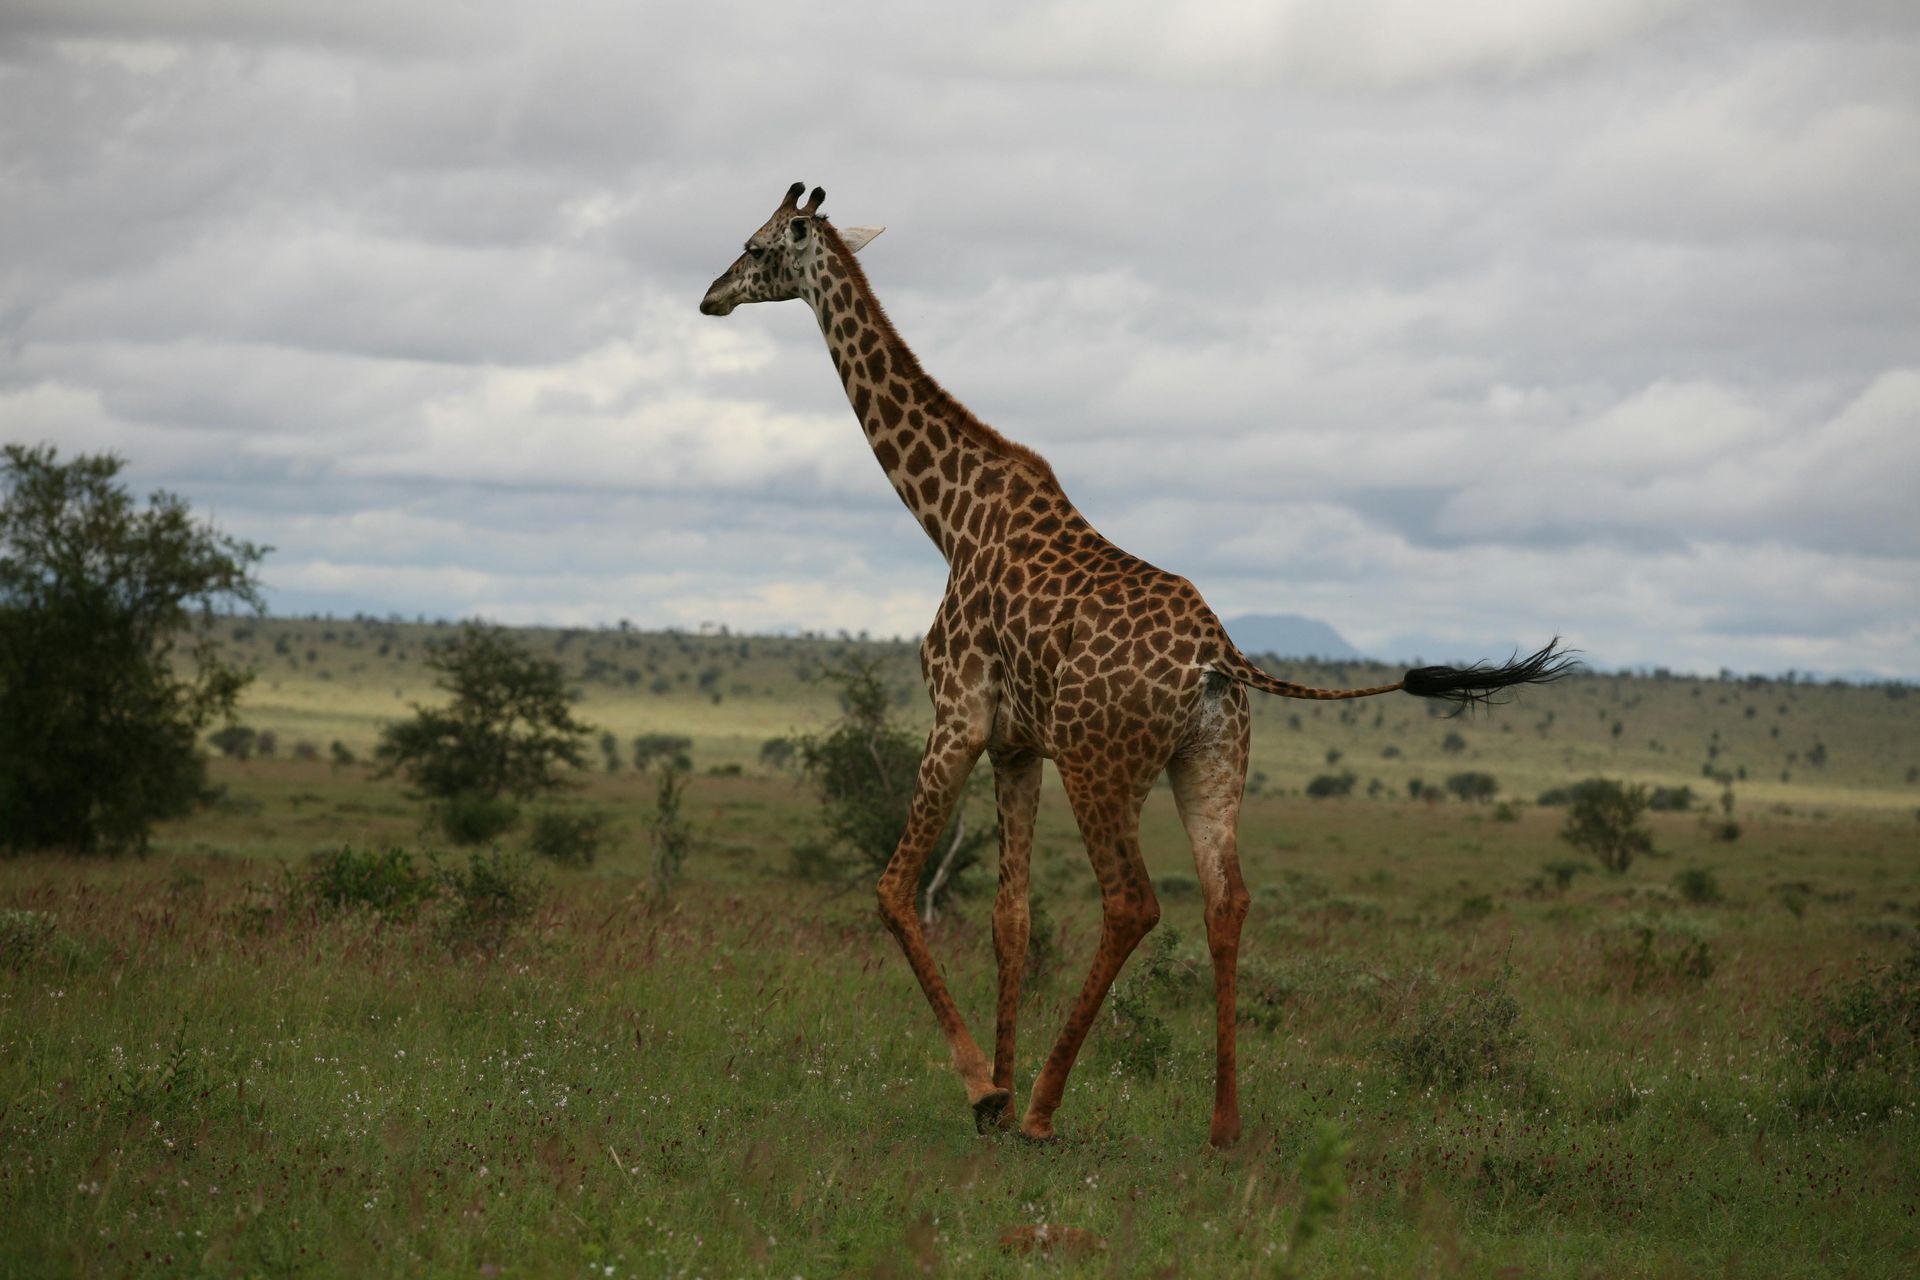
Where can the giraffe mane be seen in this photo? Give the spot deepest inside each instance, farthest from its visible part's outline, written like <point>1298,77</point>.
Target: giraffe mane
<point>971,427</point>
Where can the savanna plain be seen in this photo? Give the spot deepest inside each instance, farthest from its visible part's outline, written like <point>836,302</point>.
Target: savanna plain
<point>1465,1048</point>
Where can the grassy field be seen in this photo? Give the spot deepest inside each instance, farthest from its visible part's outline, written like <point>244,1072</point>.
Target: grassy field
<point>204,1071</point>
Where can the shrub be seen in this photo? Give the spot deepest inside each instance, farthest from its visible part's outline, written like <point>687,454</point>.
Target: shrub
<point>1464,1037</point>
<point>471,818</point>
<point>1564,871</point>
<point>1505,812</point>
<point>864,769</point>
<point>1473,785</point>
<point>234,741</point>
<point>1453,744</point>
<point>23,936</point>
<point>1477,907</point>
<point>390,883</point>
<point>669,834</point>
<point>1330,784</point>
<point>1697,885</point>
<point>1043,939</point>
<point>1646,955</point>
<point>340,753</point>
<point>570,838</point>
<point>487,900</point>
<point>1670,799</point>
<point>1871,1023</point>
<point>672,750</point>
<point>1604,820</point>
<point>1138,1039</point>
<point>1554,797</point>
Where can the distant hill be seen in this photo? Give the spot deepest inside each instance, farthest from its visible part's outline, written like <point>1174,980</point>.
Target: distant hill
<point>1288,635</point>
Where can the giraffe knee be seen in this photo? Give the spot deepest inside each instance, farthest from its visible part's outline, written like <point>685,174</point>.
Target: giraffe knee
<point>896,906</point>
<point>1129,920</point>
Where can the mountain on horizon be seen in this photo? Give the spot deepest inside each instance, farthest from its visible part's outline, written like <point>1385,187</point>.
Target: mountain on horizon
<point>1288,635</point>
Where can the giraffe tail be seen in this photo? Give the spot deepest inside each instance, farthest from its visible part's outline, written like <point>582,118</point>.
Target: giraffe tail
<point>1462,686</point>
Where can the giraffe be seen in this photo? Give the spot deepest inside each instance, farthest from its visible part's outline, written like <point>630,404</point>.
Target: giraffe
<point>1050,643</point>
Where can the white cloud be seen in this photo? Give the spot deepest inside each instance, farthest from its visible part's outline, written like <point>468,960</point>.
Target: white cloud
<point>1459,323</point>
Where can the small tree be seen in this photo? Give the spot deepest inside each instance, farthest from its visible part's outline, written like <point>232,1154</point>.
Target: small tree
<point>1473,785</point>
<point>504,736</point>
<point>1603,819</point>
<point>99,712</point>
<point>864,769</point>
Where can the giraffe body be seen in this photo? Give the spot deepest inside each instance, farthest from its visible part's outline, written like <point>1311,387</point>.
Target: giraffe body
<point>1049,643</point>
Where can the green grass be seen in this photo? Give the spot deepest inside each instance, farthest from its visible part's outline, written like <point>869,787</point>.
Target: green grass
<point>747,1081</point>
<point>326,680</point>
<point>202,1072</point>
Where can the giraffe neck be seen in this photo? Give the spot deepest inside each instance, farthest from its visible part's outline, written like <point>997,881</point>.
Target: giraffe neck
<point>931,448</point>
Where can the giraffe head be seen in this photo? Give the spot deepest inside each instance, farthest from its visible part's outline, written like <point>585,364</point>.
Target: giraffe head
<point>782,257</point>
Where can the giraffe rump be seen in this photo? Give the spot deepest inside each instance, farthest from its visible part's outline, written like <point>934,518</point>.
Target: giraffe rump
<point>1477,684</point>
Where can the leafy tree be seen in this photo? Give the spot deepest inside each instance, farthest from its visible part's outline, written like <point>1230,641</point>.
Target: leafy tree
<point>672,749</point>
<point>864,769</point>
<point>1603,819</point>
<point>108,668</point>
<point>1473,785</point>
<point>505,735</point>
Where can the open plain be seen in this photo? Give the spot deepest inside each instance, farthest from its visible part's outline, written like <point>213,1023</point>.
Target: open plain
<point>1524,1066</point>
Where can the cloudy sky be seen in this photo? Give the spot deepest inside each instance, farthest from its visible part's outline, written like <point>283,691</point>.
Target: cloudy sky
<point>1453,326</point>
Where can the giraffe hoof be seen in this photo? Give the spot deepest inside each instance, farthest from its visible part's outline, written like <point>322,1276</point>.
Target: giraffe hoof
<point>989,1109</point>
<point>1038,1132</point>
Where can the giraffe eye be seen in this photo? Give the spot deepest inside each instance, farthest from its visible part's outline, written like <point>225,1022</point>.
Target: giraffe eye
<point>754,251</point>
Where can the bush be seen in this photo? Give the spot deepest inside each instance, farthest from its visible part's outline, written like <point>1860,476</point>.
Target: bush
<point>1467,1037</point>
<point>1670,799</point>
<point>570,838</point>
<point>1697,885</point>
<point>234,741</point>
<point>1473,785</point>
<point>24,935</point>
<point>1603,820</point>
<point>1330,784</point>
<point>864,769</point>
<point>471,818</point>
<point>1871,1023</point>
<point>101,710</point>
<point>672,750</point>
<point>669,834</point>
<point>390,883</point>
<point>1554,797</point>
<point>1647,955</point>
<point>487,900</point>
<point>1563,872</point>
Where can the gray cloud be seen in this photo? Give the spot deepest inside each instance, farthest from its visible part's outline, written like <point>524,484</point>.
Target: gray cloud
<point>1449,327</point>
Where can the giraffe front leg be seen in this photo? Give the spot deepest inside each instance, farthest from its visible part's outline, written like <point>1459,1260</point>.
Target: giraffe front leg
<point>951,753</point>
<point>1016,781</point>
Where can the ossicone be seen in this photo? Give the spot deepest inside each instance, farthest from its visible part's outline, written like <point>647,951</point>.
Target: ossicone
<point>793,195</point>
<point>814,201</point>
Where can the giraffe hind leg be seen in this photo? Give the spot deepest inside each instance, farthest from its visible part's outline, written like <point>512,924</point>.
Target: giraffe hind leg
<point>1208,780</point>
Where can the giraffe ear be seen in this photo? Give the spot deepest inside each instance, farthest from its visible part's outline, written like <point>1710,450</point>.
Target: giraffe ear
<point>855,238</point>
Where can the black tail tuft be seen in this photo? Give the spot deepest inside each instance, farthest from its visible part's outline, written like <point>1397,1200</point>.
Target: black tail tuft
<point>1476,685</point>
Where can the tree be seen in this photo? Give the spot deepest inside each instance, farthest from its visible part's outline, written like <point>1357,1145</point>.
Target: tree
<point>1473,785</point>
<point>1603,819</point>
<point>504,736</point>
<point>101,709</point>
<point>864,770</point>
